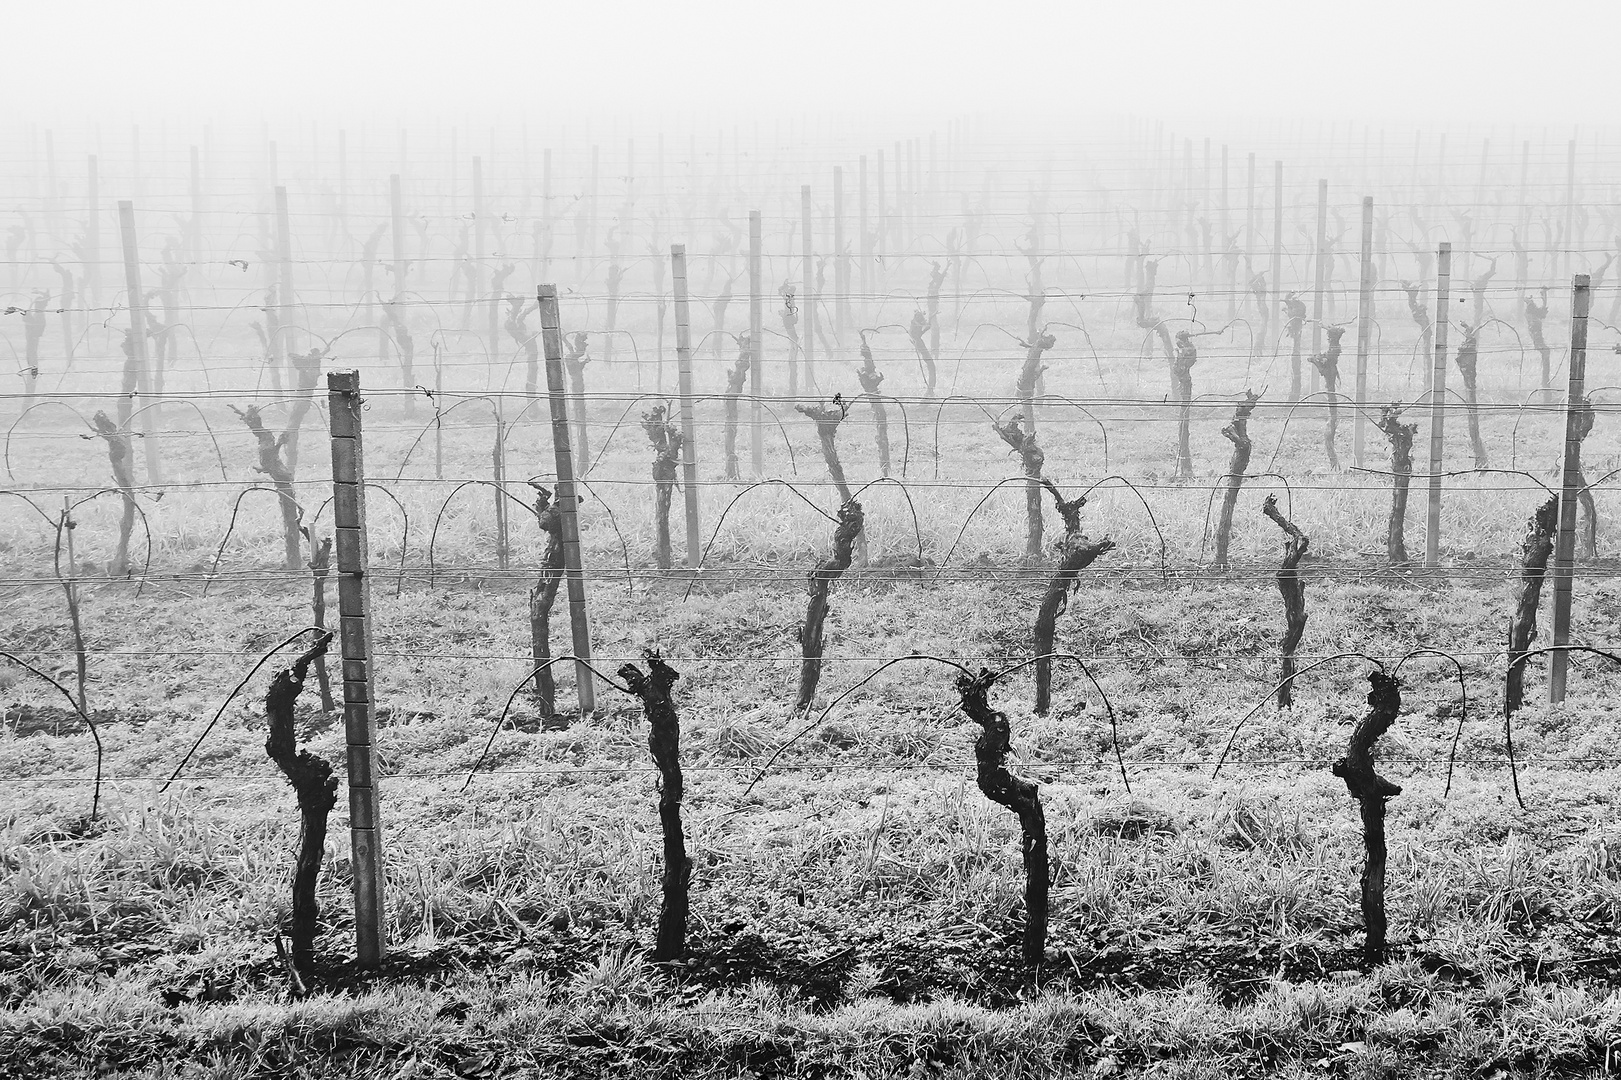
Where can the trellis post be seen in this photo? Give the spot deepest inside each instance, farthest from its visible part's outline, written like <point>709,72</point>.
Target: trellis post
<point>683,360</point>
<point>756,341</point>
<point>1364,329</point>
<point>1564,550</point>
<point>1438,399</point>
<point>355,643</point>
<point>568,500</point>
<point>150,422</point>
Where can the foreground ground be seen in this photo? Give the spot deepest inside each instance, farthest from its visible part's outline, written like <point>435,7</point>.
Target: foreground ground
<point>856,913</point>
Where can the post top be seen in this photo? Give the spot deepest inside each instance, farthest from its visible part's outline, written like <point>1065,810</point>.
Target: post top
<point>678,249</point>
<point>1582,281</point>
<point>343,379</point>
<point>546,291</point>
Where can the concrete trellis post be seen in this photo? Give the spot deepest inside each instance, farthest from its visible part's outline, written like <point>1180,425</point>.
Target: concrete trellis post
<point>1438,398</point>
<point>355,640</point>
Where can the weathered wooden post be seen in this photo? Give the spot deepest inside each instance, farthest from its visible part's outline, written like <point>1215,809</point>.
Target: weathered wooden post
<point>137,345</point>
<point>1521,264</point>
<point>883,209</point>
<point>1438,398</point>
<point>1275,291</point>
<point>808,286</point>
<point>92,236</point>
<point>1319,277</point>
<point>865,244</point>
<point>475,277</point>
<point>841,259</point>
<point>1569,242</point>
<point>1364,328</point>
<point>1250,221</point>
<point>1225,241</point>
<point>284,280</point>
<point>568,500</point>
<point>1564,552</point>
<point>354,635</point>
<point>756,340</point>
<point>343,179</point>
<point>396,210</point>
<point>683,360</point>
<point>194,228</point>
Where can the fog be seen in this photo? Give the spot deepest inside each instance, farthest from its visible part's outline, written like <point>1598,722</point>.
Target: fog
<point>1377,60</point>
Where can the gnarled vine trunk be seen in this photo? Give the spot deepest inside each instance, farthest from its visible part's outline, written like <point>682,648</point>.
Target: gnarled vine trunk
<point>1031,460</point>
<point>666,440</point>
<point>1401,477</point>
<point>734,387</point>
<point>541,599</point>
<point>1535,550</point>
<point>317,792</point>
<point>1237,433</point>
<point>1370,791</point>
<point>1468,367</point>
<point>872,381</point>
<point>1327,364</point>
<point>1075,553</point>
<point>664,741</point>
<point>816,609</point>
<point>1293,590</point>
<point>120,458</point>
<point>1018,795</point>
<point>1187,354</point>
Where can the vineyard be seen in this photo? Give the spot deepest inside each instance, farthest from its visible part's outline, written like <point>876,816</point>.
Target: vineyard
<point>808,600</point>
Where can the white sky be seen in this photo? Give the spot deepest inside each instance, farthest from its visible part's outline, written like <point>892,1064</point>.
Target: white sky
<point>1487,61</point>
